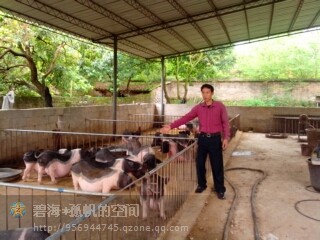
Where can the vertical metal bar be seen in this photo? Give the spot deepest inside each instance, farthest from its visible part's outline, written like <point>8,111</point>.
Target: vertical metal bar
<point>6,209</point>
<point>163,72</point>
<point>115,76</point>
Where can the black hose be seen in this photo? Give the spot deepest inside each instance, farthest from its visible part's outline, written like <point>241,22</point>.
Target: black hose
<point>307,200</point>
<point>252,202</point>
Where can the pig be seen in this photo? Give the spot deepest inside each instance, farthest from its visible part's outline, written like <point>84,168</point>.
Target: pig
<point>92,178</point>
<point>103,159</point>
<point>178,144</point>
<point>132,144</point>
<point>129,166</point>
<point>58,164</point>
<point>24,234</point>
<point>104,155</point>
<point>186,129</point>
<point>157,141</point>
<point>136,166</point>
<point>149,162</point>
<point>141,153</point>
<point>31,163</point>
<point>131,141</point>
<point>152,195</point>
<point>172,143</point>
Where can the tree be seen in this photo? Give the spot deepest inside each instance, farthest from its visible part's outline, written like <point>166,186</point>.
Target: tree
<point>199,67</point>
<point>295,57</point>
<point>28,57</point>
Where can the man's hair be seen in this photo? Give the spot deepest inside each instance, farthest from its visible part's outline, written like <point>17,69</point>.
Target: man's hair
<point>209,86</point>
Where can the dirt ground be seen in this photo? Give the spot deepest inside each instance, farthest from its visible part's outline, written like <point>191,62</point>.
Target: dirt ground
<point>287,177</point>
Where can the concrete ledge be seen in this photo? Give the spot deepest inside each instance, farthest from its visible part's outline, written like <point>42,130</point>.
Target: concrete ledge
<point>191,209</point>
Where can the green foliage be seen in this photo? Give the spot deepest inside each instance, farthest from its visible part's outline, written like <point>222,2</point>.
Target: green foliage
<point>293,57</point>
<point>271,102</point>
<point>256,102</point>
<point>202,66</point>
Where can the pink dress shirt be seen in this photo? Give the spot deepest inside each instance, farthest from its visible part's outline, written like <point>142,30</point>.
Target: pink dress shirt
<point>212,118</point>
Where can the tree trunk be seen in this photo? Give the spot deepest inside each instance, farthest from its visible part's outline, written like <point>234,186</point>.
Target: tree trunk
<point>128,84</point>
<point>165,90</point>
<point>178,87</point>
<point>185,86</point>
<point>47,97</point>
<point>177,78</point>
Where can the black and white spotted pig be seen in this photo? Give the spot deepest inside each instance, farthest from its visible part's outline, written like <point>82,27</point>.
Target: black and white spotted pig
<point>57,164</point>
<point>91,176</point>
<point>152,195</point>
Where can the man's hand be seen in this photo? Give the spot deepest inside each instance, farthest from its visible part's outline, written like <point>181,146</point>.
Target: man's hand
<point>224,144</point>
<point>165,129</point>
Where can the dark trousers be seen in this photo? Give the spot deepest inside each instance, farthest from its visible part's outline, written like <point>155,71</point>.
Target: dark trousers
<point>212,146</point>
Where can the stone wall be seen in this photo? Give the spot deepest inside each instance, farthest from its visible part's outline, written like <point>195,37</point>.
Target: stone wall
<point>37,102</point>
<point>241,90</point>
<point>73,117</point>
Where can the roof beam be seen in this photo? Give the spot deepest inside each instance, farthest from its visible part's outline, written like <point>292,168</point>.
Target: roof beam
<point>138,47</point>
<point>214,8</point>
<point>75,21</point>
<point>296,14</point>
<point>63,16</point>
<point>156,19</point>
<point>314,19</point>
<point>246,16</point>
<point>184,13</point>
<point>202,16</point>
<point>271,19</point>
<point>111,15</point>
<point>36,22</point>
<point>227,45</point>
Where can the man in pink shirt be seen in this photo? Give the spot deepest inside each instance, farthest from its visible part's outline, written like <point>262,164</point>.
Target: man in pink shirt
<point>213,138</point>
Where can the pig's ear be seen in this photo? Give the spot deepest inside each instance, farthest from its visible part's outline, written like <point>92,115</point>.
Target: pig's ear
<point>165,147</point>
<point>124,140</point>
<point>130,163</point>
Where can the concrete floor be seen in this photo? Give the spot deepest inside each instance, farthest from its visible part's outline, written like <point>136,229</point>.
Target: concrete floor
<point>287,177</point>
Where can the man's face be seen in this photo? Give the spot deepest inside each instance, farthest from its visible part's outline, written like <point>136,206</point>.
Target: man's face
<point>206,94</point>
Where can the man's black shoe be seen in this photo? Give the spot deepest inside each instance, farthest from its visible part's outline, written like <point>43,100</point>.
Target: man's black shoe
<point>200,189</point>
<point>221,195</point>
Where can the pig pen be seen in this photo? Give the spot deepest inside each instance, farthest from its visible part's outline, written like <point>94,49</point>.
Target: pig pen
<point>69,214</point>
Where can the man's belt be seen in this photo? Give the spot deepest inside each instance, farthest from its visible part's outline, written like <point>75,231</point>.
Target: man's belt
<point>210,134</point>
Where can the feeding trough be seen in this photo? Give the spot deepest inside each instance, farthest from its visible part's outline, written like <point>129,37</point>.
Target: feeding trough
<point>276,135</point>
<point>9,174</point>
<point>118,152</point>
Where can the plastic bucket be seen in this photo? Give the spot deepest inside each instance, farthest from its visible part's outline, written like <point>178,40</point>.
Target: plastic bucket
<point>314,171</point>
<point>313,136</point>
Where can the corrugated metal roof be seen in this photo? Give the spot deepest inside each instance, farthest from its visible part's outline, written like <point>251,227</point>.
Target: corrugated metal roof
<point>155,28</point>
